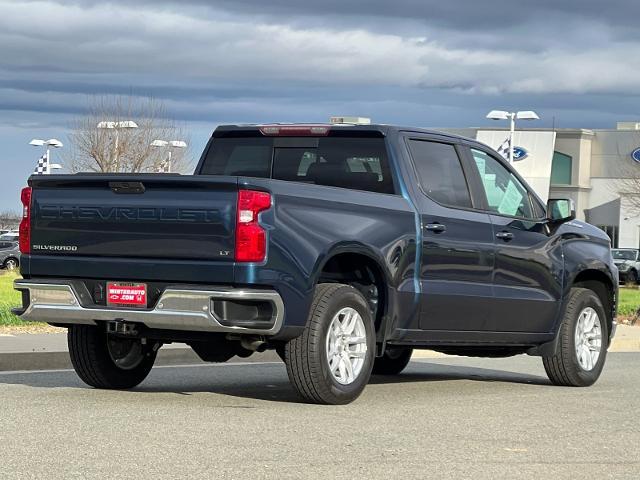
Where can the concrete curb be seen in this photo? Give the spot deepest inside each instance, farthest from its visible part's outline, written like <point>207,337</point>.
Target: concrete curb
<point>60,360</point>
<point>46,354</point>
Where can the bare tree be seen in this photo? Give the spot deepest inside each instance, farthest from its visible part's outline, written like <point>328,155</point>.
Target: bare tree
<point>9,220</point>
<point>94,149</point>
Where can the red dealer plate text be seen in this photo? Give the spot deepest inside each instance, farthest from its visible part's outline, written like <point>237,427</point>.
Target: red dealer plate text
<point>127,294</point>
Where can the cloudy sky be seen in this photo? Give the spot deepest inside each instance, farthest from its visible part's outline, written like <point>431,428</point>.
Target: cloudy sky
<point>416,62</point>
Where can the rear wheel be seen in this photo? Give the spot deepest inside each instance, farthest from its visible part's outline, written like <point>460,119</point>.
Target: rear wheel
<point>394,361</point>
<point>331,361</point>
<point>106,361</point>
<point>582,341</point>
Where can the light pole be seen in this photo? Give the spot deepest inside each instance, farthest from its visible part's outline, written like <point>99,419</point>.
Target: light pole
<point>512,117</point>
<point>117,126</point>
<point>52,142</point>
<point>171,144</point>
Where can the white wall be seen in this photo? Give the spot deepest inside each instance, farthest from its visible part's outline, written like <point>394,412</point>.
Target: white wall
<point>536,167</point>
<point>605,190</point>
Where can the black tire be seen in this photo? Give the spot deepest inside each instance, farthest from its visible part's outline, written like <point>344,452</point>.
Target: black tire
<point>94,363</point>
<point>632,277</point>
<point>563,368</point>
<point>306,356</point>
<point>394,361</point>
<point>11,263</point>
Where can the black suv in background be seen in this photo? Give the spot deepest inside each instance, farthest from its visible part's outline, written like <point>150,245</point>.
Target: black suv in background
<point>342,247</point>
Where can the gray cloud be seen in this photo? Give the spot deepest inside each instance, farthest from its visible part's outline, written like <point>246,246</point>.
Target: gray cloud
<point>246,60</point>
<point>461,14</point>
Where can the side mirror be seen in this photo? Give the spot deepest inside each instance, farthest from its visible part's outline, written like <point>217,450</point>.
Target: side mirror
<point>561,210</point>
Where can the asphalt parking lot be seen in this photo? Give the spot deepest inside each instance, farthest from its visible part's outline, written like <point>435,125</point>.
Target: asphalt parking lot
<point>442,418</point>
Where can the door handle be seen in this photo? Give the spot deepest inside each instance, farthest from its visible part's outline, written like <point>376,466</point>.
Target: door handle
<point>435,227</point>
<point>506,236</point>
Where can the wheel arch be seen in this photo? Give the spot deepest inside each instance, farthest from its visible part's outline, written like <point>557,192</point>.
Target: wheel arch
<point>598,282</point>
<point>602,285</point>
<point>359,266</point>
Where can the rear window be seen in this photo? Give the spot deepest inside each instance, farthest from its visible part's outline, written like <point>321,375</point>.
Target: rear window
<point>355,163</point>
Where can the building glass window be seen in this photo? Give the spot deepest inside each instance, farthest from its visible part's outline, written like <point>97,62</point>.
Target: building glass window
<point>561,169</point>
<point>612,231</point>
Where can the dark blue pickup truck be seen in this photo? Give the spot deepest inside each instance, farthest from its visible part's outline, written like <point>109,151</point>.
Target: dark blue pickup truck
<point>342,247</point>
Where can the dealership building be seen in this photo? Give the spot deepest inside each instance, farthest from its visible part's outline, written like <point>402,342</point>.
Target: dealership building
<point>598,168</point>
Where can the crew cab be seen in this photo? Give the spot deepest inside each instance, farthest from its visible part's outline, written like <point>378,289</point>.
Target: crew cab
<point>341,247</point>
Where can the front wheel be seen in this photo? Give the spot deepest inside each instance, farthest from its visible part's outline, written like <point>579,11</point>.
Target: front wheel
<point>582,341</point>
<point>106,361</point>
<point>632,277</point>
<point>331,361</point>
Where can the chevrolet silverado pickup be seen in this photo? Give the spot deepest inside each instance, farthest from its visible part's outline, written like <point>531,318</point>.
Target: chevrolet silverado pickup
<point>341,247</point>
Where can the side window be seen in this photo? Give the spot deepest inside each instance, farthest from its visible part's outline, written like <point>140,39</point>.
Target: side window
<point>440,173</point>
<point>505,194</point>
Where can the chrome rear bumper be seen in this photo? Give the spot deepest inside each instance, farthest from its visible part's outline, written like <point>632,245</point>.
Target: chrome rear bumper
<point>177,308</point>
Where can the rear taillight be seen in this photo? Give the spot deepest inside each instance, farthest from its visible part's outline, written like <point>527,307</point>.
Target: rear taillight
<point>25,223</point>
<point>251,239</point>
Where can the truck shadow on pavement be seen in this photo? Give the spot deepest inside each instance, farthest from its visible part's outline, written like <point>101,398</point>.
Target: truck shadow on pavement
<point>266,381</point>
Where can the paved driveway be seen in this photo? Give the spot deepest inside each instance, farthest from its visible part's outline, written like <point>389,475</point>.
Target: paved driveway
<point>443,418</point>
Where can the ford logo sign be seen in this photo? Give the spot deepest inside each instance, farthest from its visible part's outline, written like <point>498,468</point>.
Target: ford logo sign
<point>636,155</point>
<point>520,153</point>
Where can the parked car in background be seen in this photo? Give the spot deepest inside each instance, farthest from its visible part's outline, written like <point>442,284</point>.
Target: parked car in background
<point>9,237</point>
<point>9,255</point>
<point>628,262</point>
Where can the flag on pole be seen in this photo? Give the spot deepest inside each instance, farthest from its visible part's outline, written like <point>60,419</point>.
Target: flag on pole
<point>504,147</point>
<point>42,167</point>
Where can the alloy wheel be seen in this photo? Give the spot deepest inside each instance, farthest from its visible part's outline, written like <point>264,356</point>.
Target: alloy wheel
<point>588,338</point>
<point>346,345</point>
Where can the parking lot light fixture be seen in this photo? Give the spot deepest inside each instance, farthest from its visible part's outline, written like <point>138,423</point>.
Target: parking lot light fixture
<point>52,142</point>
<point>512,117</point>
<point>116,126</point>
<point>171,144</point>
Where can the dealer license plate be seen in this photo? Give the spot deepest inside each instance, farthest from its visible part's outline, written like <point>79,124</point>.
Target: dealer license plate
<point>124,294</point>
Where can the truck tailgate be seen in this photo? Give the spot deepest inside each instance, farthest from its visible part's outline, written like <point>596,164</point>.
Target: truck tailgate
<point>138,216</point>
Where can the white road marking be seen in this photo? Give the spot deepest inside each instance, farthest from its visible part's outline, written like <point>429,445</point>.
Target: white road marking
<point>231,364</point>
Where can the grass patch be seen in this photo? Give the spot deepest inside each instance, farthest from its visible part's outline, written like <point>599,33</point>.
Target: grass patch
<point>9,299</point>
<point>628,301</point>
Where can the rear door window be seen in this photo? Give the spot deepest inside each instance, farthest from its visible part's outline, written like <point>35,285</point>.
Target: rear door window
<point>440,172</point>
<point>344,162</point>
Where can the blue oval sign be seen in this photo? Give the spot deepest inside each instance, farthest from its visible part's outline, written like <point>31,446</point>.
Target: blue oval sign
<point>636,155</point>
<point>520,153</point>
